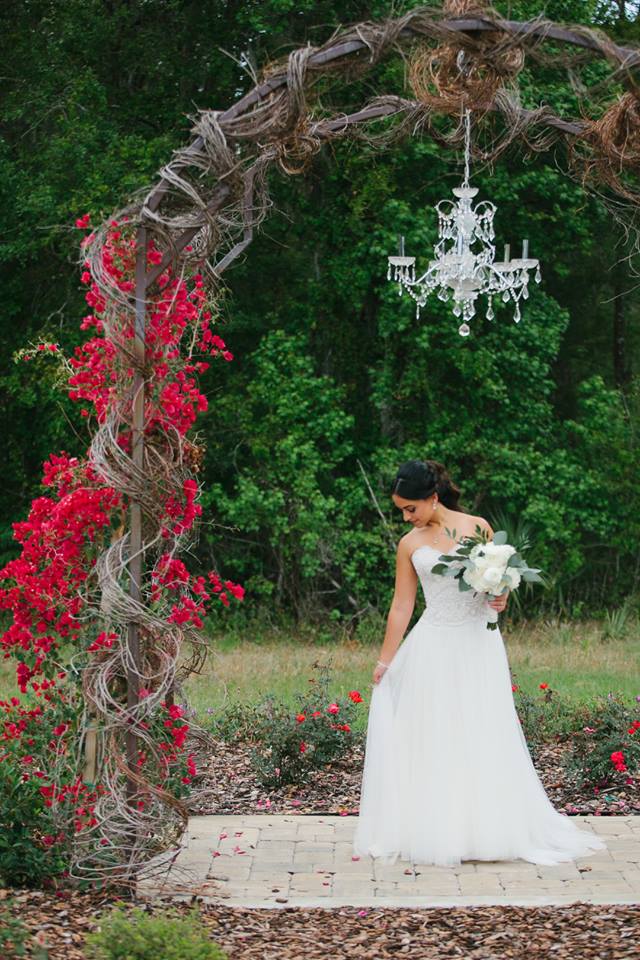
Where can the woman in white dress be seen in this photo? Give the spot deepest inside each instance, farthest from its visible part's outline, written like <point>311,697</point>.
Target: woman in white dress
<point>447,773</point>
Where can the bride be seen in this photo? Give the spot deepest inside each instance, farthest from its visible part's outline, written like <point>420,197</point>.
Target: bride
<point>447,771</point>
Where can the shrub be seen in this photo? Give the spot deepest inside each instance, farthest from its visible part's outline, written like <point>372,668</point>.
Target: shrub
<point>32,852</point>
<point>137,935</point>
<point>292,743</point>
<point>15,939</point>
<point>544,717</point>
<point>287,744</point>
<point>40,793</point>
<point>236,722</point>
<point>13,935</point>
<point>607,744</point>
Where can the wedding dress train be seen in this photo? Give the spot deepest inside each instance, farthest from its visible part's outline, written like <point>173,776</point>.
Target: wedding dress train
<point>447,773</point>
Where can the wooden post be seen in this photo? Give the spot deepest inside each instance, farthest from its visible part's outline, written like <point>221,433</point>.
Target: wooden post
<point>137,454</point>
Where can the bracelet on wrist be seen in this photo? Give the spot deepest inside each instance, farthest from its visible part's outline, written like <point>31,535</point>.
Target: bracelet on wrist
<point>383,663</point>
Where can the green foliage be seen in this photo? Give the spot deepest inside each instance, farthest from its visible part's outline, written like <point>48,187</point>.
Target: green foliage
<point>36,834</point>
<point>287,745</point>
<point>544,717</point>
<point>25,859</point>
<point>334,381</point>
<point>236,722</point>
<point>138,935</point>
<point>13,934</point>
<point>607,728</point>
<point>290,434</point>
<point>616,623</point>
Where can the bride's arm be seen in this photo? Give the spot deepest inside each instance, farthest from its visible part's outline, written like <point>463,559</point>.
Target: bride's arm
<point>404,599</point>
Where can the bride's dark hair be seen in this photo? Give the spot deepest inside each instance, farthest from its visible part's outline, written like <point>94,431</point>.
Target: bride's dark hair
<point>419,479</point>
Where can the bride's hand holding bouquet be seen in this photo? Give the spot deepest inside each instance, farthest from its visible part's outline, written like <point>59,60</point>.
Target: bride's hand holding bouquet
<point>489,566</point>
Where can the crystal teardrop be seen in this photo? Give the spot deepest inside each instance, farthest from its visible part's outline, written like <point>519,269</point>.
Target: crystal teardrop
<point>464,329</point>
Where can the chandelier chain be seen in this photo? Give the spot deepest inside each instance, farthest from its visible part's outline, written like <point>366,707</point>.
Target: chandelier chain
<point>467,145</point>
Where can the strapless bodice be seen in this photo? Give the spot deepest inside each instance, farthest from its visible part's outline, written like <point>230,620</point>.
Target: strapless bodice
<point>445,602</point>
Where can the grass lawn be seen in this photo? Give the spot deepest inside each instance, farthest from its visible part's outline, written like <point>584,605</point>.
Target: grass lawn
<point>572,659</point>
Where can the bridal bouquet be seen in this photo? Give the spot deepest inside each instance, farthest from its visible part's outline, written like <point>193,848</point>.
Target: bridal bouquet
<point>486,566</point>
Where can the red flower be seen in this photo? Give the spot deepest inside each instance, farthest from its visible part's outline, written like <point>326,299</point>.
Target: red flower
<point>300,718</point>
<point>45,587</point>
<point>543,686</point>
<point>333,708</point>
<point>355,696</point>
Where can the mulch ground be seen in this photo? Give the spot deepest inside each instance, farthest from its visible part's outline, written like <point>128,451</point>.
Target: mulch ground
<point>579,931</point>
<point>231,787</point>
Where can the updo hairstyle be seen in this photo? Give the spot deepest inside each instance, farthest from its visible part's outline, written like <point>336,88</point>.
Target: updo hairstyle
<point>420,479</point>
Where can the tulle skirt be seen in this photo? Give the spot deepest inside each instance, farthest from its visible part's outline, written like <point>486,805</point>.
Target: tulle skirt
<point>447,774</point>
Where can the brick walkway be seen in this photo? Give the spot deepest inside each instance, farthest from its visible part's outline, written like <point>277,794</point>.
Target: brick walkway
<point>276,861</point>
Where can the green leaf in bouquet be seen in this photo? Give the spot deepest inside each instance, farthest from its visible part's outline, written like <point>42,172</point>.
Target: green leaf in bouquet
<point>480,534</point>
<point>515,560</point>
<point>464,585</point>
<point>532,576</point>
<point>500,537</point>
<point>447,571</point>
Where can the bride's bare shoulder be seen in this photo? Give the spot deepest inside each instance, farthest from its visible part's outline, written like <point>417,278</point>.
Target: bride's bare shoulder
<point>407,543</point>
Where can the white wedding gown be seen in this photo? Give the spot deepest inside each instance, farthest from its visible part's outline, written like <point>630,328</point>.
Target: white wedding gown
<point>447,772</point>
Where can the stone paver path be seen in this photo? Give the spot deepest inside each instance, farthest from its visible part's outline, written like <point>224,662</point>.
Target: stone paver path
<point>297,860</point>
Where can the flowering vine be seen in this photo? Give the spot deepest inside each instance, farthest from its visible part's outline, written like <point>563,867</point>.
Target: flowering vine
<point>68,589</point>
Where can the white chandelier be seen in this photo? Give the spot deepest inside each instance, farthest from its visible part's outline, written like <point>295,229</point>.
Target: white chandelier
<point>459,271</point>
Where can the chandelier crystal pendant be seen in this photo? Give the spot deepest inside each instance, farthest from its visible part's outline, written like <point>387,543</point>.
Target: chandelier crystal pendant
<point>464,266</point>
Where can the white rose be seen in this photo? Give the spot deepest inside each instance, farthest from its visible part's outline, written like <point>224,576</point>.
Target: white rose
<point>480,560</point>
<point>492,577</point>
<point>499,552</point>
<point>474,579</point>
<point>514,576</point>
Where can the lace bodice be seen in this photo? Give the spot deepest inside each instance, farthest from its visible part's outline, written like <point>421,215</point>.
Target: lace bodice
<point>445,602</point>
